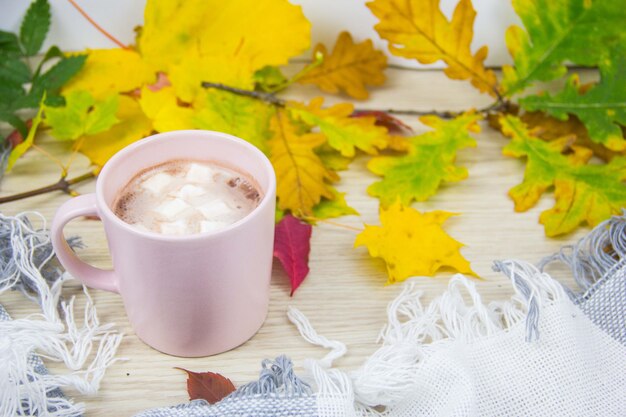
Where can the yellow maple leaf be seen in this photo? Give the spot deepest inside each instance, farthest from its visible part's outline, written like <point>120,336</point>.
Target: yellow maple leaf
<point>109,71</point>
<point>413,243</point>
<point>133,126</point>
<point>418,29</point>
<point>187,76</point>
<point>344,133</point>
<point>265,32</point>
<point>349,67</point>
<point>301,176</point>
<point>162,108</point>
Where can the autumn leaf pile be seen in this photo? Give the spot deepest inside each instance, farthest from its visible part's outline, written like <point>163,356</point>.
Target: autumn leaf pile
<point>571,138</point>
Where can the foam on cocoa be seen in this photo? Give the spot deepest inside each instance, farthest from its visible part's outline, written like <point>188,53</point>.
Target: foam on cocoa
<point>182,197</point>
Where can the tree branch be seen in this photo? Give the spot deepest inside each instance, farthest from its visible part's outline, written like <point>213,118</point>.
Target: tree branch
<point>257,95</point>
<point>62,184</point>
<point>497,106</point>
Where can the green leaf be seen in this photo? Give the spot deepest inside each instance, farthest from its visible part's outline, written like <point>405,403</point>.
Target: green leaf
<point>53,52</point>
<point>51,81</point>
<point>9,95</point>
<point>336,207</point>
<point>428,163</point>
<point>602,108</point>
<point>60,73</point>
<point>81,115</point>
<point>332,159</point>
<point>14,72</point>
<point>243,117</point>
<point>55,101</point>
<point>35,27</point>
<point>583,192</point>
<point>278,215</point>
<point>578,31</point>
<point>29,139</point>
<point>14,121</point>
<point>9,45</point>
<point>269,78</point>
<point>344,133</point>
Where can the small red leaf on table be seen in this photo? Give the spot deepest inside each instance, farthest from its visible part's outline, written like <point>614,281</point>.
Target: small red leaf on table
<point>207,386</point>
<point>393,125</point>
<point>292,244</point>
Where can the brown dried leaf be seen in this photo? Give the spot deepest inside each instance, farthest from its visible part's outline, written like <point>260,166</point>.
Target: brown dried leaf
<point>207,386</point>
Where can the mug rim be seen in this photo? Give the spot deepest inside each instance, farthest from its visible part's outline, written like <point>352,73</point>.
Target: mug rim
<point>106,211</point>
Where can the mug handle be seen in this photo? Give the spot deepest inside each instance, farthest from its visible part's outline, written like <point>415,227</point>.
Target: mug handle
<point>84,205</point>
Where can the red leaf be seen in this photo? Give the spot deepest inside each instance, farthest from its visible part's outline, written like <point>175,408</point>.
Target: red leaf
<point>292,244</point>
<point>392,124</point>
<point>207,386</point>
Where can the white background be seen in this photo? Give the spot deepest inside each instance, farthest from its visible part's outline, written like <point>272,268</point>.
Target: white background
<point>70,31</point>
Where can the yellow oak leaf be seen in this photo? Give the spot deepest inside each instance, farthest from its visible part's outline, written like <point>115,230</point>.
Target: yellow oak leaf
<point>418,29</point>
<point>265,32</point>
<point>413,243</point>
<point>301,176</point>
<point>162,108</point>
<point>344,133</point>
<point>428,164</point>
<point>240,116</point>
<point>349,67</point>
<point>109,71</point>
<point>583,192</point>
<point>133,125</point>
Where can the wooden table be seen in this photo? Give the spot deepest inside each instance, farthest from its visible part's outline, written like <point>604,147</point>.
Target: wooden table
<point>344,296</point>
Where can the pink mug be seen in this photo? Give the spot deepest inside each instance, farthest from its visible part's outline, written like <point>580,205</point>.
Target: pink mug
<point>194,295</point>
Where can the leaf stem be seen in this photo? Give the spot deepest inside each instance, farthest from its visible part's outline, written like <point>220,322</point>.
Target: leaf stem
<point>62,184</point>
<point>97,26</point>
<point>52,158</point>
<point>319,59</point>
<point>333,223</point>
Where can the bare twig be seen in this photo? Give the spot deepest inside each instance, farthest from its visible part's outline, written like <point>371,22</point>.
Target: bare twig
<point>97,26</point>
<point>497,106</point>
<point>62,184</point>
<point>258,95</point>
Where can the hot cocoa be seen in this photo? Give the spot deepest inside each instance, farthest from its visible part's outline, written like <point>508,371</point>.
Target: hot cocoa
<point>182,197</point>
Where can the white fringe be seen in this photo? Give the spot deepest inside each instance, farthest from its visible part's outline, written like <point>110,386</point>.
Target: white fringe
<point>414,332</point>
<point>23,391</point>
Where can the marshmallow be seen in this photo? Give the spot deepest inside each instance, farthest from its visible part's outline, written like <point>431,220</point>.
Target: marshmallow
<point>212,225</point>
<point>199,174</point>
<point>189,191</point>
<point>157,183</point>
<point>179,227</point>
<point>172,208</point>
<point>213,209</point>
